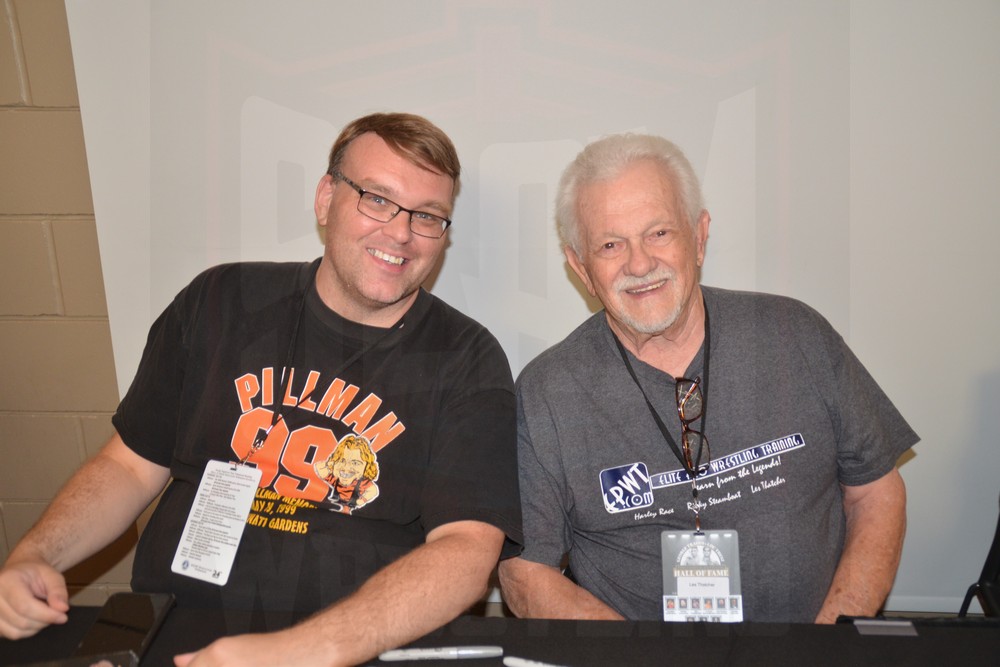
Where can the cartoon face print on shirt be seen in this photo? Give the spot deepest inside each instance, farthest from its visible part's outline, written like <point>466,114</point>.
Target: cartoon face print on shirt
<point>350,471</point>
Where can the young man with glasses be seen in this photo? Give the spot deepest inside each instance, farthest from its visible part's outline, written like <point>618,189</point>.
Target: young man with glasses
<point>796,505</point>
<point>253,376</point>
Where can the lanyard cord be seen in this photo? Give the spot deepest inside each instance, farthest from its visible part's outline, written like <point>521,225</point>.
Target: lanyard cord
<point>692,473</point>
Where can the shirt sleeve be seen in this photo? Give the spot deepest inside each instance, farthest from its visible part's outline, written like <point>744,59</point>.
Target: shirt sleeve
<point>472,471</point>
<point>871,432</point>
<point>545,496</point>
<point>147,417</point>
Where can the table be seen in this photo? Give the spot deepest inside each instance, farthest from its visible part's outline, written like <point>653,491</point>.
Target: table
<point>586,643</point>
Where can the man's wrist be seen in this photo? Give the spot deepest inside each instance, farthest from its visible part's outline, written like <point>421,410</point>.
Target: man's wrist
<point>25,553</point>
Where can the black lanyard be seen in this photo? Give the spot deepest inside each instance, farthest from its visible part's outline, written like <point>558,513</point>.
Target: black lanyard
<point>692,473</point>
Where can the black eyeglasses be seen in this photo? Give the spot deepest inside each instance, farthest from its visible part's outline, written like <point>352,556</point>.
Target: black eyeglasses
<point>690,405</point>
<point>377,207</point>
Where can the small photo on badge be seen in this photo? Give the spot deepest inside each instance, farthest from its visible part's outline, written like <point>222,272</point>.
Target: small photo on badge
<point>720,603</point>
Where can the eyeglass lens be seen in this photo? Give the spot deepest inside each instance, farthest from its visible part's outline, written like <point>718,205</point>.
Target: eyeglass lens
<point>694,441</point>
<point>379,208</point>
<point>689,401</point>
<point>690,404</point>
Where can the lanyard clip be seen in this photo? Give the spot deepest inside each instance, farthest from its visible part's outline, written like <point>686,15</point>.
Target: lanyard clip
<point>697,514</point>
<point>259,441</point>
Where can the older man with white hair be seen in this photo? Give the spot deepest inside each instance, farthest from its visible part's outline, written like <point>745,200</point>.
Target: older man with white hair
<point>693,448</point>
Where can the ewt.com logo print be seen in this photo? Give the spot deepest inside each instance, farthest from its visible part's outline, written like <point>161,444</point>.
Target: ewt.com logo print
<point>626,488</point>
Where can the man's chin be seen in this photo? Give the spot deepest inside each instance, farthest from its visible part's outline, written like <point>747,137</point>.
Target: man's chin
<point>647,326</point>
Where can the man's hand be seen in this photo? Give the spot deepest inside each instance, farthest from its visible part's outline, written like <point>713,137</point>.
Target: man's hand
<point>116,485</point>
<point>272,649</point>
<point>32,595</point>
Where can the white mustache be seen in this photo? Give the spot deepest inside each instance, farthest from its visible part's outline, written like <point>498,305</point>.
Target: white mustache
<point>633,282</point>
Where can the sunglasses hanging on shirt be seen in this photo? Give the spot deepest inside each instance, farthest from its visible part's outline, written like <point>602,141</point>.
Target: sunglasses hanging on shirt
<point>692,404</point>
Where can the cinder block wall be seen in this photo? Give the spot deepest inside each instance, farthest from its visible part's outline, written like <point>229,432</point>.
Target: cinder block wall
<point>57,378</point>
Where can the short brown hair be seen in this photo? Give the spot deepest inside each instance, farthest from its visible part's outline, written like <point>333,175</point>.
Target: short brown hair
<point>414,137</point>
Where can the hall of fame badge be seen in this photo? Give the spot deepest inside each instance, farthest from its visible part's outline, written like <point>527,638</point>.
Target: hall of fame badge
<point>701,576</point>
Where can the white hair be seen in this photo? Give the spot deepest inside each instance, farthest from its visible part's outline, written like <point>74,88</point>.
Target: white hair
<point>606,159</point>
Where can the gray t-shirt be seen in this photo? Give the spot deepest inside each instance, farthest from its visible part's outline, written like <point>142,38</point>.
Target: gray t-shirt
<point>791,415</point>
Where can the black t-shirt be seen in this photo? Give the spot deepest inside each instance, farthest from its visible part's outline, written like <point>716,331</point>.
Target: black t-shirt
<point>384,434</point>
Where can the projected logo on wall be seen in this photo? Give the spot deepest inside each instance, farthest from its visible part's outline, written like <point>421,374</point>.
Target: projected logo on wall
<point>520,90</point>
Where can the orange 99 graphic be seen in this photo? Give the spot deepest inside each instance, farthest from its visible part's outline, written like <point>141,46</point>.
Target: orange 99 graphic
<point>308,462</point>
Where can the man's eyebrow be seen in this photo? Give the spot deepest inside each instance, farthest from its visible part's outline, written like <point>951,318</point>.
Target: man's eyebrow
<point>375,186</point>
<point>435,206</point>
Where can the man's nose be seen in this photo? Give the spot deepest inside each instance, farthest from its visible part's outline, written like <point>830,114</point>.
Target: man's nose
<point>399,227</point>
<point>640,262</point>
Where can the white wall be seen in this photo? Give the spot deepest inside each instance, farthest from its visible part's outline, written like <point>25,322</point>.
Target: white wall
<point>848,151</point>
<point>925,207</point>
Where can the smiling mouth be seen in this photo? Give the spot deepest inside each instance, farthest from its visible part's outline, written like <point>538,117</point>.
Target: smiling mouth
<point>647,288</point>
<point>392,259</point>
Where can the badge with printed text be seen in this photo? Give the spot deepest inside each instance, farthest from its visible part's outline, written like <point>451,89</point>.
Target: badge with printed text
<point>215,524</point>
<point>701,576</point>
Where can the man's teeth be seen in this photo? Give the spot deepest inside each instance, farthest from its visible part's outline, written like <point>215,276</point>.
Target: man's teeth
<point>646,289</point>
<point>386,258</point>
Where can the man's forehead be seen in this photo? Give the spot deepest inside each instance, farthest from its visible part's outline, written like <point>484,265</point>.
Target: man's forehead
<point>370,147</point>
<point>373,157</point>
<point>367,151</point>
<point>643,178</point>
<point>632,191</point>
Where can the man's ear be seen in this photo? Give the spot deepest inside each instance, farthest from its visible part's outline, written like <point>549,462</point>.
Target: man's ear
<point>324,195</point>
<point>701,235</point>
<point>579,269</point>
